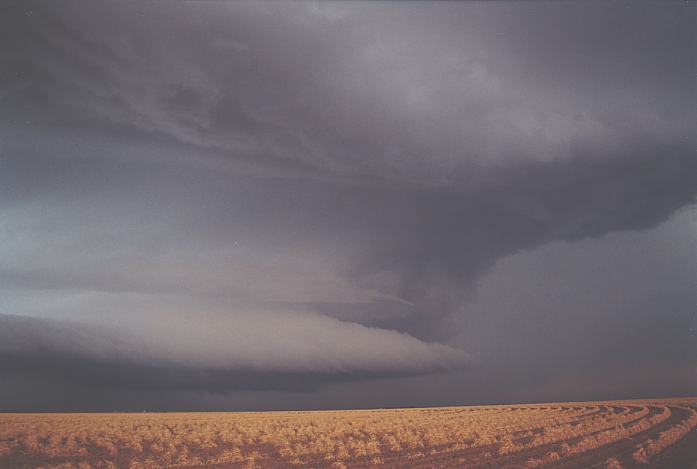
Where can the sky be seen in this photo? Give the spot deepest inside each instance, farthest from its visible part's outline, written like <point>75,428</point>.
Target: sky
<point>232,206</point>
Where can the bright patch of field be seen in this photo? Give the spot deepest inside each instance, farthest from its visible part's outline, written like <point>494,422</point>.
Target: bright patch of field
<point>612,434</point>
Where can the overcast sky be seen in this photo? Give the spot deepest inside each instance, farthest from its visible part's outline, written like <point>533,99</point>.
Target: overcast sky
<point>229,205</point>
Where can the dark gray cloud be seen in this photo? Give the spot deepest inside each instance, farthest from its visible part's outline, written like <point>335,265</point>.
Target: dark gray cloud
<point>212,353</point>
<point>309,175</point>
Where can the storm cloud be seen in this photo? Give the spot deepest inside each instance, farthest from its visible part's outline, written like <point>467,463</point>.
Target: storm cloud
<point>202,195</point>
<point>215,353</point>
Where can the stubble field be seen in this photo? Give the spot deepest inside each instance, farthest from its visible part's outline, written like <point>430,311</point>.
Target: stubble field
<point>611,434</point>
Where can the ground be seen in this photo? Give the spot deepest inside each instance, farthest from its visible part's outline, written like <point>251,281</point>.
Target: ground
<point>611,434</point>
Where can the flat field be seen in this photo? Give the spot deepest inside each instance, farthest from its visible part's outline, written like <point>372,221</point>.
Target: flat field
<point>612,434</point>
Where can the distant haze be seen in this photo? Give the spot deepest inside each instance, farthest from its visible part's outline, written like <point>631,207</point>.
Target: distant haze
<point>233,205</point>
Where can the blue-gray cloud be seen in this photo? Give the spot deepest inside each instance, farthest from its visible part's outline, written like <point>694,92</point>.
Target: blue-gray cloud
<point>351,168</point>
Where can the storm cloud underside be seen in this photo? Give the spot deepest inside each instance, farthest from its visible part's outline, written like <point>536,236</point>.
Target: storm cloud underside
<point>208,197</point>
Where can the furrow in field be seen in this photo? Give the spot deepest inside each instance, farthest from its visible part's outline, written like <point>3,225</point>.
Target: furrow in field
<point>557,439</point>
<point>481,456</point>
<point>622,448</point>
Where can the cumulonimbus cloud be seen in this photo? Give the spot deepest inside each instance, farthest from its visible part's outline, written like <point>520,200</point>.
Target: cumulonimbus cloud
<point>365,161</point>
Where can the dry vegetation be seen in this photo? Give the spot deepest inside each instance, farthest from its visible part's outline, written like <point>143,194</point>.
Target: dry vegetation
<point>612,434</point>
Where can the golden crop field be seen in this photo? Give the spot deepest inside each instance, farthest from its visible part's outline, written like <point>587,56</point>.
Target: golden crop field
<point>611,434</point>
